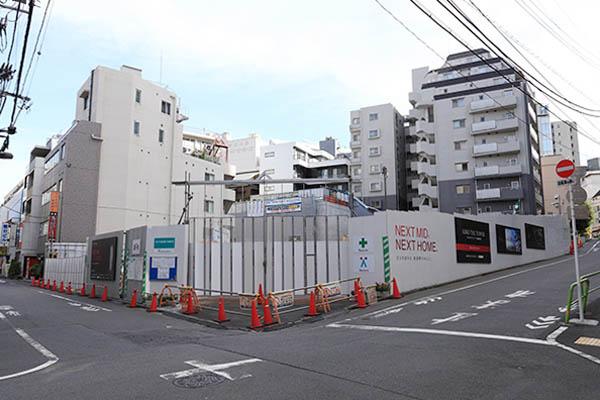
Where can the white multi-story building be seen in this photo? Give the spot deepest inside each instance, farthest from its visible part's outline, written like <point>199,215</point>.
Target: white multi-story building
<point>288,160</point>
<point>565,140</point>
<point>378,141</point>
<point>478,145</point>
<point>142,153</point>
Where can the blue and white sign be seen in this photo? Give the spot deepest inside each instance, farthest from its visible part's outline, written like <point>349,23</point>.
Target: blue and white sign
<point>4,233</point>
<point>163,268</point>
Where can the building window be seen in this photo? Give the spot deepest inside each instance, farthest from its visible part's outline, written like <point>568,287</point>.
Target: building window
<point>510,115</point>
<point>355,121</point>
<point>513,161</point>
<point>376,203</point>
<point>458,123</point>
<point>373,133</point>
<point>165,107</point>
<point>457,145</point>
<point>487,209</point>
<point>138,96</point>
<point>50,163</point>
<point>514,184</point>
<point>463,189</point>
<point>463,210</point>
<point>508,92</point>
<point>481,97</point>
<point>374,151</point>
<point>357,188</point>
<point>486,185</point>
<point>375,186</point>
<point>374,169</point>
<point>209,206</point>
<point>373,117</point>
<point>356,137</point>
<point>461,167</point>
<point>44,228</point>
<point>161,136</point>
<point>63,149</point>
<point>269,154</point>
<point>47,194</point>
<point>458,102</point>
<point>136,127</point>
<point>269,188</point>
<point>356,154</point>
<point>481,119</point>
<point>356,171</point>
<point>209,177</point>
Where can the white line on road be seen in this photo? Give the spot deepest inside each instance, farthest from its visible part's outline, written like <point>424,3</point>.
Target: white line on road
<point>70,300</point>
<point>216,369</point>
<point>592,248</point>
<point>465,287</point>
<point>2,316</point>
<point>52,359</point>
<point>440,332</point>
<point>551,338</point>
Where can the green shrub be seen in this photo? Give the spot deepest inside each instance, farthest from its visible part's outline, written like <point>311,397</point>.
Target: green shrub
<point>37,269</point>
<point>14,271</point>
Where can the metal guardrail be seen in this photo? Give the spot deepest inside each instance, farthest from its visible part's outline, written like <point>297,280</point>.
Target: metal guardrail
<point>585,285</point>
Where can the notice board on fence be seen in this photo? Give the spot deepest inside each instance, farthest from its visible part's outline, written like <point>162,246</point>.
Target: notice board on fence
<point>472,241</point>
<point>163,268</point>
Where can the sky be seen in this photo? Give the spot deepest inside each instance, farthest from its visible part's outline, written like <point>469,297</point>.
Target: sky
<point>288,70</point>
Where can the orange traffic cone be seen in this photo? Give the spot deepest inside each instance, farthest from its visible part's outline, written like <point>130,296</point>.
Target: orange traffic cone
<point>48,286</point>
<point>260,294</point>
<point>312,306</point>
<point>54,286</point>
<point>62,287</point>
<point>82,292</point>
<point>267,317</point>
<point>33,281</point>
<point>153,305</point>
<point>133,303</point>
<point>190,306</point>
<point>104,294</point>
<point>361,299</point>
<point>395,293</point>
<point>255,321</point>
<point>93,292</point>
<point>69,289</point>
<point>356,290</point>
<point>39,284</point>
<point>221,316</point>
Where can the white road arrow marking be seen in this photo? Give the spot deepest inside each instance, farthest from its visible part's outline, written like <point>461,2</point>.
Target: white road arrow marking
<point>5,308</point>
<point>535,322</point>
<point>13,313</point>
<point>536,327</point>
<point>426,301</point>
<point>454,318</point>
<point>551,318</point>
<point>214,368</point>
<point>491,304</point>
<point>520,293</point>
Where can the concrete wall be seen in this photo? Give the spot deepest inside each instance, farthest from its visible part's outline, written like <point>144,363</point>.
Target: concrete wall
<point>111,285</point>
<point>426,266</point>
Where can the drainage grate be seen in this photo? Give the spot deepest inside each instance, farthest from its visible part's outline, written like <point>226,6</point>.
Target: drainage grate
<point>588,341</point>
<point>198,380</point>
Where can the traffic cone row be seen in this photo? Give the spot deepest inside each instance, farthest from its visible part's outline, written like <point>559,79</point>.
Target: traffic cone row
<point>153,304</point>
<point>190,306</point>
<point>69,289</point>
<point>104,294</point>
<point>33,281</point>
<point>82,292</point>
<point>93,292</point>
<point>312,306</point>
<point>62,287</point>
<point>54,286</point>
<point>133,303</point>
<point>395,293</point>
<point>254,319</point>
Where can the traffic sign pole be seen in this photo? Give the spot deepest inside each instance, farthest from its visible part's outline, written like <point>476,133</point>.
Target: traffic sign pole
<point>581,320</point>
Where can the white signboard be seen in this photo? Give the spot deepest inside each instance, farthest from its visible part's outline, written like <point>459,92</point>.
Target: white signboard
<point>136,247</point>
<point>135,268</point>
<point>278,206</point>
<point>362,244</point>
<point>363,262</point>
<point>256,208</point>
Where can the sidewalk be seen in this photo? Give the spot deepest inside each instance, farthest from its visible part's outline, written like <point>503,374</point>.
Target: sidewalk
<point>585,338</point>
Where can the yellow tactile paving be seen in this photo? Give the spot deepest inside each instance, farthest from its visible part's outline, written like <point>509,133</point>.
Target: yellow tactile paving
<point>588,341</point>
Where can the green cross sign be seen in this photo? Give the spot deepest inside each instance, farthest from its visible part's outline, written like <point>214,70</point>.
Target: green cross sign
<point>363,242</point>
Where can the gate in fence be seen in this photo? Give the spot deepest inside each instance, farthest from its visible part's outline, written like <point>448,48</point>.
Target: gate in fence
<point>65,262</point>
<point>236,254</point>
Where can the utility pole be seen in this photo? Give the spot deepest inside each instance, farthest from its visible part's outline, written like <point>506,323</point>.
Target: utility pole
<point>384,172</point>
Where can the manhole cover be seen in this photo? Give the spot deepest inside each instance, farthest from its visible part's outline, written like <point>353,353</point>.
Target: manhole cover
<point>198,380</point>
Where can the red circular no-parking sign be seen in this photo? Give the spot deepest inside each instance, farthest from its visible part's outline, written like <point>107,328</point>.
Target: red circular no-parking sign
<point>565,168</point>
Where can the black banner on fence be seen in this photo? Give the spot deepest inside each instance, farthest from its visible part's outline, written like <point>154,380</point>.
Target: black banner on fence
<point>104,259</point>
<point>534,237</point>
<point>508,240</point>
<point>472,241</point>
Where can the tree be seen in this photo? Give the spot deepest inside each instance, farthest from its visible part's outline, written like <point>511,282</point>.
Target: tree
<point>14,271</point>
<point>583,226</point>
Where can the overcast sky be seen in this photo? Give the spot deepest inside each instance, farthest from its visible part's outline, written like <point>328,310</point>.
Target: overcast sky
<point>285,69</point>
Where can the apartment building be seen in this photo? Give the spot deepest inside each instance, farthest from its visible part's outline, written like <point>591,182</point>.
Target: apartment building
<point>10,216</point>
<point>593,164</point>
<point>565,140</point>
<point>378,143</point>
<point>477,138</point>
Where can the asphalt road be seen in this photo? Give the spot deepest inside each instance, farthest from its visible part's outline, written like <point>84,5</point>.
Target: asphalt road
<point>493,337</point>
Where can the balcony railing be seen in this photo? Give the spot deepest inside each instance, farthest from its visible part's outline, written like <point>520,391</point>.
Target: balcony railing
<point>499,125</point>
<point>428,190</point>
<point>495,148</point>
<point>355,143</point>
<point>423,168</point>
<point>423,147</point>
<point>424,127</point>
<point>493,170</point>
<point>505,193</point>
<point>486,194</point>
<point>503,103</point>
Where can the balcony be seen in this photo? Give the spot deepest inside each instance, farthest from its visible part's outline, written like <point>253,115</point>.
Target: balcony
<point>428,190</point>
<point>414,184</point>
<point>495,170</point>
<point>498,103</point>
<point>423,168</point>
<point>419,99</point>
<point>500,125</point>
<point>480,150</point>
<point>423,147</point>
<point>355,127</point>
<point>424,127</point>
<point>354,144</point>
<point>487,194</point>
<point>505,193</point>
<point>229,195</point>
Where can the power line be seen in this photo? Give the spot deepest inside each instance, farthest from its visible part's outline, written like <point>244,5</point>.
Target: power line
<point>502,107</point>
<point>22,63</point>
